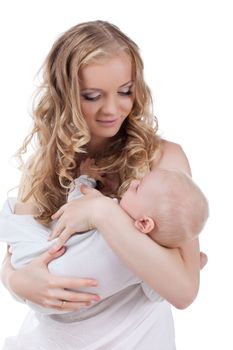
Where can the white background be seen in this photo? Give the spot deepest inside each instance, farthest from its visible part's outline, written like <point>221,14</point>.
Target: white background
<point>187,50</point>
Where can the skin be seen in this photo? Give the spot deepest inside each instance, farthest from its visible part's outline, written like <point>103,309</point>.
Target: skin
<point>140,201</point>
<point>173,273</point>
<point>106,98</point>
<point>141,197</point>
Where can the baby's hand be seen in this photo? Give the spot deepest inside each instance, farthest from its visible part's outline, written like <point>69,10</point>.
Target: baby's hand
<point>69,223</point>
<point>88,167</point>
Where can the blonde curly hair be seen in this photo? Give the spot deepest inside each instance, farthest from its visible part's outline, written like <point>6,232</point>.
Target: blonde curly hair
<point>59,128</point>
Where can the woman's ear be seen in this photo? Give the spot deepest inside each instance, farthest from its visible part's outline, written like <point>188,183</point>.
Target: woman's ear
<point>145,224</point>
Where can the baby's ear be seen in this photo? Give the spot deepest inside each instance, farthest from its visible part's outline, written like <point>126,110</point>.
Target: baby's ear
<point>145,224</point>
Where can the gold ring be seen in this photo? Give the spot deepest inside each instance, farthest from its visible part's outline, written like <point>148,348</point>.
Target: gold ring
<point>62,304</point>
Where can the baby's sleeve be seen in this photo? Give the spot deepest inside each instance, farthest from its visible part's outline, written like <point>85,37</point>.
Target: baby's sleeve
<point>83,179</point>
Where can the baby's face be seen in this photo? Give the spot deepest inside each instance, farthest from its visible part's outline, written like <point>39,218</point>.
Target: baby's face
<point>138,198</point>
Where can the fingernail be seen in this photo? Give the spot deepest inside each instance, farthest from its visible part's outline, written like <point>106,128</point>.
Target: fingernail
<point>94,284</point>
<point>96,298</point>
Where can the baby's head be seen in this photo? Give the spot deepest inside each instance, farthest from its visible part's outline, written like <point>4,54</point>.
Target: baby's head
<point>167,205</point>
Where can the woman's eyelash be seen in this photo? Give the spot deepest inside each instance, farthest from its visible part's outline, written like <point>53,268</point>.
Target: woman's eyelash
<point>127,93</point>
<point>95,98</point>
<point>89,98</point>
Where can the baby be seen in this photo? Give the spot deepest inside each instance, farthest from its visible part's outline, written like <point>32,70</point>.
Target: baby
<point>166,204</point>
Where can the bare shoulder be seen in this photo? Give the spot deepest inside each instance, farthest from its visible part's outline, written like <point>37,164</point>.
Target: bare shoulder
<point>173,157</point>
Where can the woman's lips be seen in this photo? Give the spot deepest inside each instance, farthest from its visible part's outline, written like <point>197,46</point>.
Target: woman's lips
<point>107,122</point>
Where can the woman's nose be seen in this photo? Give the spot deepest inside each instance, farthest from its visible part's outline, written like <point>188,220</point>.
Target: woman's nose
<point>111,106</point>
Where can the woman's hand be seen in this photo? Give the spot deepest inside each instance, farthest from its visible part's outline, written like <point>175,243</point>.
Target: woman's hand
<point>76,216</point>
<point>203,260</point>
<point>34,283</point>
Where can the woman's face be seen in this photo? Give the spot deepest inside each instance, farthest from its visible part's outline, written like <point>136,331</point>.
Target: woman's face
<point>106,90</point>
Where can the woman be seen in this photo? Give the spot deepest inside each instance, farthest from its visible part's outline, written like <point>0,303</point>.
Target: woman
<point>95,103</point>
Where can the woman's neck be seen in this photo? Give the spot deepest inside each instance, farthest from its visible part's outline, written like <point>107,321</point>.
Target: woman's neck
<point>96,147</point>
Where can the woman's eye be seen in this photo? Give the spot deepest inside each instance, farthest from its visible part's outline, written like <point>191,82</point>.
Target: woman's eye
<point>126,93</point>
<point>91,98</point>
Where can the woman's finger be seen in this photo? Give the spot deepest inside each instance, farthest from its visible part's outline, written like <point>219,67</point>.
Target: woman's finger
<point>57,246</point>
<point>56,231</point>
<point>58,213</point>
<point>62,239</point>
<point>63,305</point>
<point>49,255</point>
<point>71,296</point>
<point>203,260</point>
<point>72,282</point>
<point>64,236</point>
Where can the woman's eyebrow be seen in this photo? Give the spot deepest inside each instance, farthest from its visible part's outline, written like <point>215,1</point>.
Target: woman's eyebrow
<point>129,83</point>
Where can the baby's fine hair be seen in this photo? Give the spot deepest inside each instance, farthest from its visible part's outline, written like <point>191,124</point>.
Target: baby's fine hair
<point>181,210</point>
